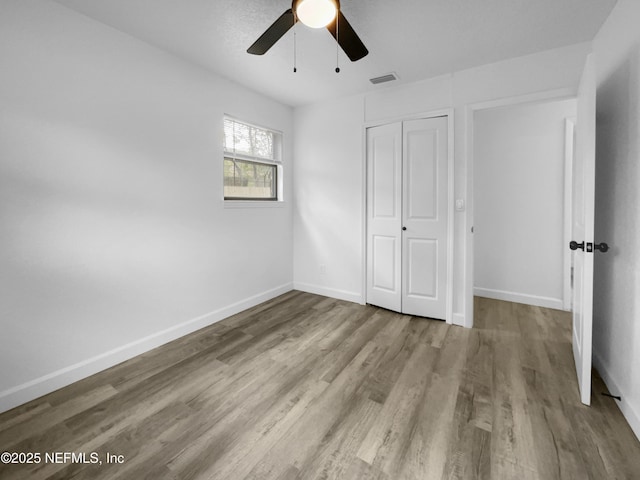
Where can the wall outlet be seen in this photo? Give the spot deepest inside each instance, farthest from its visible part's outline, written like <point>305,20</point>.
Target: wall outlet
<point>323,269</point>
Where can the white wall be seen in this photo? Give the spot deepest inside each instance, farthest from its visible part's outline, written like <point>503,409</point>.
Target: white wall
<point>519,162</point>
<point>113,230</point>
<point>556,71</point>
<point>328,190</point>
<point>616,333</point>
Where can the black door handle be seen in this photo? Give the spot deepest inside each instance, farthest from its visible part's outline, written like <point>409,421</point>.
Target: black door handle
<point>404,228</point>
<point>603,247</point>
<point>573,245</point>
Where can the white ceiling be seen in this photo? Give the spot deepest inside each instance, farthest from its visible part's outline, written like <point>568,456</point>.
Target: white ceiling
<point>417,39</point>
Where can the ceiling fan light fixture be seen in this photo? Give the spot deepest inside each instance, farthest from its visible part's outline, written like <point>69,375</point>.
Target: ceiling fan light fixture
<point>316,13</point>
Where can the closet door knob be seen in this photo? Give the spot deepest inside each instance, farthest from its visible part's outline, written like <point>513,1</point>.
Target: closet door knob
<point>573,245</point>
<point>404,228</point>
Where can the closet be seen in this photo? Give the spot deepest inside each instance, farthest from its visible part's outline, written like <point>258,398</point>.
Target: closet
<point>408,216</point>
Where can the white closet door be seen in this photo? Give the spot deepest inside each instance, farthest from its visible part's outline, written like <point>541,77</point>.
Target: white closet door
<point>407,216</point>
<point>384,216</point>
<point>425,217</point>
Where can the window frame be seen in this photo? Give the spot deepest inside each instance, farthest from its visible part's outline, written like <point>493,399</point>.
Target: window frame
<point>274,198</point>
<point>275,162</point>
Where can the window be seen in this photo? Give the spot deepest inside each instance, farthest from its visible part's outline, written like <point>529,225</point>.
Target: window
<point>252,167</point>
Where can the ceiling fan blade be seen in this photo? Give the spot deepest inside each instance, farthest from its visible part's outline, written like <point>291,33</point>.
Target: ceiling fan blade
<point>347,38</point>
<point>273,33</point>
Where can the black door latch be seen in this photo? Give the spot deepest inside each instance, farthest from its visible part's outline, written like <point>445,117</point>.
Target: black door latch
<point>603,247</point>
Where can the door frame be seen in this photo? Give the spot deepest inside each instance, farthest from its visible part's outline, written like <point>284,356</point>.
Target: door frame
<point>469,113</point>
<point>446,112</point>
<point>569,152</point>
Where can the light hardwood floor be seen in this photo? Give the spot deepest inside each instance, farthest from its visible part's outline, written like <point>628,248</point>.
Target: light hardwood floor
<point>307,387</point>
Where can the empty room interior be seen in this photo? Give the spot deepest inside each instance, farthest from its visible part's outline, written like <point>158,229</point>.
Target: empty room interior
<point>319,239</point>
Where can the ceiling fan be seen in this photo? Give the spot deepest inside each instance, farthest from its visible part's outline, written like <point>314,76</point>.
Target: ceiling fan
<point>315,14</point>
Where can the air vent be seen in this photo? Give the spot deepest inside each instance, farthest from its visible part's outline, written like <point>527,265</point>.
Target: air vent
<point>389,77</point>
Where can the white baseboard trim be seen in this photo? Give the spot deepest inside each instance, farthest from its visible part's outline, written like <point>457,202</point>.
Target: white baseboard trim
<point>459,320</point>
<point>60,378</point>
<point>329,292</point>
<point>547,302</point>
<point>627,409</point>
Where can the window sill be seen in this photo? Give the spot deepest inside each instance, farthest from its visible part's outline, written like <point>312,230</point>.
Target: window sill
<point>253,204</point>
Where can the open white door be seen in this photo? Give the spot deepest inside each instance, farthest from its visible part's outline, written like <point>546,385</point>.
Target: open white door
<point>583,228</point>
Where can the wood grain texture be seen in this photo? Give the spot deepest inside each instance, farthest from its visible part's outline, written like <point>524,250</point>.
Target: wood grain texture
<point>305,387</point>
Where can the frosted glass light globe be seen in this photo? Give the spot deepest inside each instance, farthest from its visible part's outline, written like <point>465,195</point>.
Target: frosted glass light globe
<point>316,13</point>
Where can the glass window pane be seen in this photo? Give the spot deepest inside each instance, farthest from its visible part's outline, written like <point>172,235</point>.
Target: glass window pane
<point>248,140</point>
<point>251,180</point>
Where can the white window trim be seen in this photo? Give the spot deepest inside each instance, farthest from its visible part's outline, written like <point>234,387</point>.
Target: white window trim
<point>253,203</point>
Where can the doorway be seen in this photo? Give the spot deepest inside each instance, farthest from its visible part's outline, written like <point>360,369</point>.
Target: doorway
<point>520,166</point>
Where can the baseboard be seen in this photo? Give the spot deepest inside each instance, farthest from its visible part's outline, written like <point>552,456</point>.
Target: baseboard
<point>60,378</point>
<point>538,301</point>
<point>627,409</point>
<point>329,292</point>
<point>459,320</point>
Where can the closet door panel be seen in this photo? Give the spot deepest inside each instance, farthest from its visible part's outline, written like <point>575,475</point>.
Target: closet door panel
<point>424,251</point>
<point>423,282</point>
<point>384,216</point>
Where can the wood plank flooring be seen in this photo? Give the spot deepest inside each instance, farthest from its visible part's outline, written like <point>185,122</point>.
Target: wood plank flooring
<point>308,387</point>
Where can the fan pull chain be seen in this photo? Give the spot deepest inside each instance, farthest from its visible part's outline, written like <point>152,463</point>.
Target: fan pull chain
<point>337,43</point>
<point>295,56</point>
